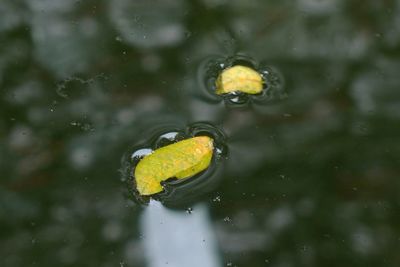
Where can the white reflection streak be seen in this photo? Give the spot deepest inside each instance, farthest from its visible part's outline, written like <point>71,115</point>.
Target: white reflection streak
<point>178,239</point>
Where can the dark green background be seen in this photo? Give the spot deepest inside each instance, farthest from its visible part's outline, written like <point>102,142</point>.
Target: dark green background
<point>311,179</point>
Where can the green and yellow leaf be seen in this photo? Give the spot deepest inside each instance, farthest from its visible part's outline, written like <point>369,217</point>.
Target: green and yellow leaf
<point>239,79</point>
<point>181,160</point>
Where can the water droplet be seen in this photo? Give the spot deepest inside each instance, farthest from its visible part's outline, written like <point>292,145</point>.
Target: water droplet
<point>189,210</point>
<point>217,199</point>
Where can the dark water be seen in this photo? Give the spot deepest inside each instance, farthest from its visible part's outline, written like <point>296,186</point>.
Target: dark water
<point>312,173</point>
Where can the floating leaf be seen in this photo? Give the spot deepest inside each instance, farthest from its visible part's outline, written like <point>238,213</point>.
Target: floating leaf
<point>239,79</point>
<point>181,160</point>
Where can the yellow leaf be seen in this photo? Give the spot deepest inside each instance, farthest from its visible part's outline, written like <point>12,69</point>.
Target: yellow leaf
<point>181,160</point>
<point>239,79</point>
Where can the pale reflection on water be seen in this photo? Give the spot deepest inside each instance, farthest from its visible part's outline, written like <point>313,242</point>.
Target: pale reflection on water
<point>179,238</point>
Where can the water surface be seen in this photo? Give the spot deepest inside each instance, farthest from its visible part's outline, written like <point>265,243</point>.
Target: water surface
<point>312,174</point>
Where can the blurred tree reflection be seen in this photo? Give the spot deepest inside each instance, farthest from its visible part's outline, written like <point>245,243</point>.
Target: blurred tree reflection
<point>311,180</point>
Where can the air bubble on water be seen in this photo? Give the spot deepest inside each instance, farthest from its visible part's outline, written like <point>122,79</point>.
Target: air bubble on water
<point>237,98</point>
<point>168,138</point>
<point>219,152</point>
<point>229,264</point>
<point>189,210</point>
<point>217,199</point>
<point>138,154</point>
<point>227,219</point>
